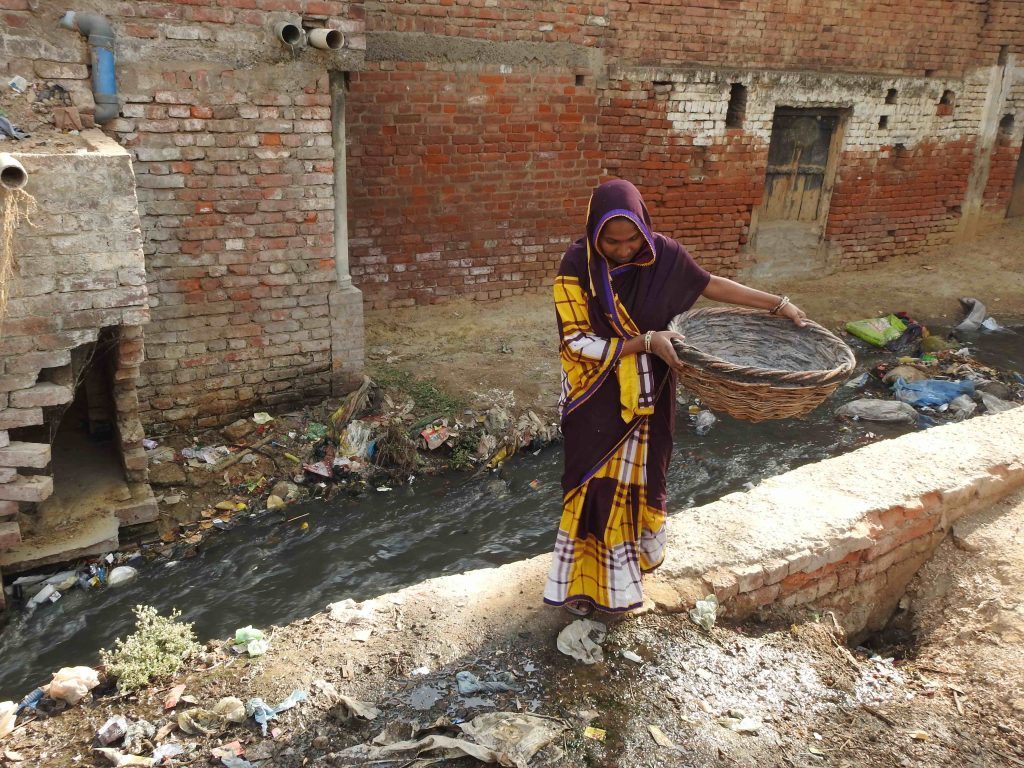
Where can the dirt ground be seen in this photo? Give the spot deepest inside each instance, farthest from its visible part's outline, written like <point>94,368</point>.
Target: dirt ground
<point>507,349</point>
<point>799,697</point>
<point>942,687</point>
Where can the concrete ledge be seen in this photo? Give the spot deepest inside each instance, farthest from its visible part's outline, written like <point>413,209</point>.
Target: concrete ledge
<point>845,534</point>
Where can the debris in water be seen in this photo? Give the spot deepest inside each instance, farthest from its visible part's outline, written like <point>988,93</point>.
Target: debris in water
<point>112,730</point>
<point>597,734</point>
<point>470,683</point>
<point>630,656</point>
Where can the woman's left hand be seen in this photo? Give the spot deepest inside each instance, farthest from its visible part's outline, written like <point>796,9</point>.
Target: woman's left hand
<point>794,313</point>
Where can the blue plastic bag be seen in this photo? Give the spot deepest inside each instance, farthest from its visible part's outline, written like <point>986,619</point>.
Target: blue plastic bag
<point>931,391</point>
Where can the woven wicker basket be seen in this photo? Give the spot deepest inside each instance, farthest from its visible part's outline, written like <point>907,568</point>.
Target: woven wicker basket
<point>755,366</point>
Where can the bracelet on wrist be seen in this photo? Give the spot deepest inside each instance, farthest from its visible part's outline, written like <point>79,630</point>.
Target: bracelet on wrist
<point>778,307</point>
<point>647,341</point>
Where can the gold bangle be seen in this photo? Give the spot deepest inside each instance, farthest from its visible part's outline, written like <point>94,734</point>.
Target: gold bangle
<point>647,341</point>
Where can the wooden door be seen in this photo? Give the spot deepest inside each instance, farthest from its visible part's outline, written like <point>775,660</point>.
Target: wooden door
<point>798,156</point>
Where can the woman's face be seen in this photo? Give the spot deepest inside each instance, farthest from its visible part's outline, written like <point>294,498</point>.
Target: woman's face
<point>619,240</point>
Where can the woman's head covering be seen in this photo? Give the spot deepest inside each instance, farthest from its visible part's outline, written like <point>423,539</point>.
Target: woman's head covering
<point>620,198</point>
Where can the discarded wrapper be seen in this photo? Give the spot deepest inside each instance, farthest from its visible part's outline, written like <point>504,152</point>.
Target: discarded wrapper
<point>434,436</point>
<point>597,734</point>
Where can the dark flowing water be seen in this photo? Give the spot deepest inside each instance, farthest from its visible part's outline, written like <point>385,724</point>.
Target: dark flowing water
<point>267,572</point>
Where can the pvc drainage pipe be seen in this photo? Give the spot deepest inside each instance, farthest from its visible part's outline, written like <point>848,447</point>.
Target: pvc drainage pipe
<point>98,31</point>
<point>12,173</point>
<point>326,39</point>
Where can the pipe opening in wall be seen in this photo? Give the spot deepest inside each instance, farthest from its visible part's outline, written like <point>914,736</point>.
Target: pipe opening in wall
<point>1006,124</point>
<point>890,97</point>
<point>326,39</point>
<point>737,110</point>
<point>288,33</point>
<point>581,80</point>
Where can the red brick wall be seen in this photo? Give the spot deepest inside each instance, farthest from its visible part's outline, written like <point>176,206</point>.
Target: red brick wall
<point>232,149</point>
<point>887,206</point>
<point>465,182</point>
<point>828,35</point>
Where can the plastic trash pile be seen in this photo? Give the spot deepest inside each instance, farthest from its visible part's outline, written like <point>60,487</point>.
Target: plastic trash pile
<point>931,379</point>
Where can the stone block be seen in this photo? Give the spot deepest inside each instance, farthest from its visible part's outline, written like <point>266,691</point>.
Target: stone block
<point>7,474</point>
<point>18,454</point>
<point>15,382</point>
<point>8,509</point>
<point>33,362</point>
<point>722,583</point>
<point>10,535</point>
<point>749,578</point>
<point>42,394</point>
<point>11,418</point>
<point>35,488</point>
<point>136,512</point>
<point>5,438</point>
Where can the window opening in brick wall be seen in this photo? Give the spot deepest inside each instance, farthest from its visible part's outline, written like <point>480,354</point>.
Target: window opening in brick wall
<point>883,122</point>
<point>737,110</point>
<point>946,104</point>
<point>581,80</point>
<point>890,97</point>
<point>1004,55</point>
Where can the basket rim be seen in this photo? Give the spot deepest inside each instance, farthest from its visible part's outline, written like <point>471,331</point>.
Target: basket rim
<point>713,364</point>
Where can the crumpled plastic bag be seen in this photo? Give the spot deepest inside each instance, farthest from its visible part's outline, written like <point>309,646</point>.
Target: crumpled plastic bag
<point>931,391</point>
<point>355,440</point>
<point>119,759</point>
<point>470,683</point>
<point>196,720</point>
<point>705,612</point>
<point>962,407</point>
<point>262,712</point>
<point>250,640</point>
<point>136,733</point>
<point>976,312</point>
<point>877,331</point>
<point>878,410</point>
<point>994,404</point>
<point>582,640</point>
<point>231,709</point>
<point>514,736</point>
<point>71,684</point>
<point>7,717</point>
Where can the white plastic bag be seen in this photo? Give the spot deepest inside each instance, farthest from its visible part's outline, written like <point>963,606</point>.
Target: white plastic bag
<point>71,684</point>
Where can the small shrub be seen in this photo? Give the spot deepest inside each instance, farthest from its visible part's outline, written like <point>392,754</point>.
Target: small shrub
<point>157,648</point>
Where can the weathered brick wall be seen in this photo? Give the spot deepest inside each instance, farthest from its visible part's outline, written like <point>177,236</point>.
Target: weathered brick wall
<point>465,182</point>
<point>80,272</point>
<point>944,37</point>
<point>231,137</point>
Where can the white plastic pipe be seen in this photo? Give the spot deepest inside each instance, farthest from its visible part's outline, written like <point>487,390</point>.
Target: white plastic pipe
<point>326,39</point>
<point>288,33</point>
<point>12,173</point>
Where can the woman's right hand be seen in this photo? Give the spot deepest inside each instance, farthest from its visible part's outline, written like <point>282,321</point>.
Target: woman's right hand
<point>661,345</point>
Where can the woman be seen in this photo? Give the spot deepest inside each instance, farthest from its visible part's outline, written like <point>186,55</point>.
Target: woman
<point>615,291</point>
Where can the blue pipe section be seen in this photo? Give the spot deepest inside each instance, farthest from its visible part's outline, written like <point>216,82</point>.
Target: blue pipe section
<point>100,35</point>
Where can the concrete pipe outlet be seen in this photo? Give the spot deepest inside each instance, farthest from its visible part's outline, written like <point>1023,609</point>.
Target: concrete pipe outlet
<point>12,173</point>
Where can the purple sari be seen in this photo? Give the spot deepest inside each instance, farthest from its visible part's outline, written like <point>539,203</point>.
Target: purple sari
<point>618,412</point>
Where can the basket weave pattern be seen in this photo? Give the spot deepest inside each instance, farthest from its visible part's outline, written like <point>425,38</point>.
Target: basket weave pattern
<point>755,366</point>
